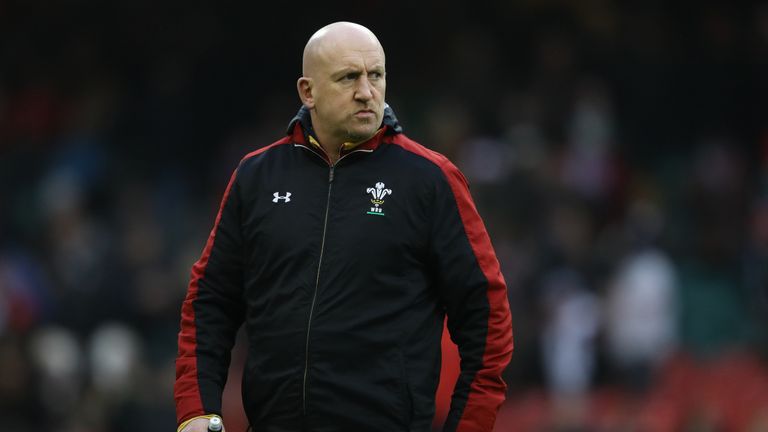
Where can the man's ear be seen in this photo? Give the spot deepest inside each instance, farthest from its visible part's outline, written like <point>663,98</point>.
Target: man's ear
<point>304,86</point>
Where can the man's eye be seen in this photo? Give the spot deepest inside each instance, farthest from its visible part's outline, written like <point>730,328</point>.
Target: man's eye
<point>349,77</point>
<point>375,75</point>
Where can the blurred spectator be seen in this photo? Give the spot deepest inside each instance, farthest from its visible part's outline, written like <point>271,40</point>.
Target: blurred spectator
<point>641,310</point>
<point>588,165</point>
<point>114,353</point>
<point>58,358</point>
<point>569,346</point>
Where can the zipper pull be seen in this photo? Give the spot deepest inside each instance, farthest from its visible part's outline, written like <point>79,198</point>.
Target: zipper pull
<point>330,175</point>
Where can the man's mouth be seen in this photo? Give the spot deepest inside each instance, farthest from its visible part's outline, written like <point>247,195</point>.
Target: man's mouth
<point>364,113</point>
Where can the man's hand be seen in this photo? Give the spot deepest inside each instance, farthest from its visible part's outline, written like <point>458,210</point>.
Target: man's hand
<point>199,425</point>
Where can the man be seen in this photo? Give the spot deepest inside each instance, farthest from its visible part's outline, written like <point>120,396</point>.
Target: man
<point>342,247</point>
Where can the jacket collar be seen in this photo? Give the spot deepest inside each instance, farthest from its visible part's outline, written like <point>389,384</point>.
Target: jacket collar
<point>301,131</point>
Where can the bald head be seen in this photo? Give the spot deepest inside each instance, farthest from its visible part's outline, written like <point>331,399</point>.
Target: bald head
<point>343,84</point>
<point>327,43</point>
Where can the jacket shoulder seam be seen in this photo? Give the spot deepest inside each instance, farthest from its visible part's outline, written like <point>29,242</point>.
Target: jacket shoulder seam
<point>285,140</point>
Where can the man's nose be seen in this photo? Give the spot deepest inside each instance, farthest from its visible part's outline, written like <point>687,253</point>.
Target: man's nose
<point>364,90</point>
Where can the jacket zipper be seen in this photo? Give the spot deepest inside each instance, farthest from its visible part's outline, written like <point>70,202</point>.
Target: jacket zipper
<point>314,295</point>
<point>317,276</point>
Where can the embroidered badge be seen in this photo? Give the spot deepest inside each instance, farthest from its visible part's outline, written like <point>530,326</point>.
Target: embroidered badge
<point>378,194</point>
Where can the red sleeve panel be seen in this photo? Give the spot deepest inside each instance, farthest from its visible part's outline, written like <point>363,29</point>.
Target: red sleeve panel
<point>187,387</point>
<point>487,391</point>
<point>212,311</point>
<point>475,297</point>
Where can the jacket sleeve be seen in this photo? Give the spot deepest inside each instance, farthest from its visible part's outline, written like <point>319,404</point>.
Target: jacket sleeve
<point>211,314</point>
<point>474,294</point>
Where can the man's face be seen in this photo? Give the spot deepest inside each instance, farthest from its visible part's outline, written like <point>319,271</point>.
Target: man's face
<point>349,89</point>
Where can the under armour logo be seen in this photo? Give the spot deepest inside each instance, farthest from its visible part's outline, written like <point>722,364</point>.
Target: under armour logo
<point>277,197</point>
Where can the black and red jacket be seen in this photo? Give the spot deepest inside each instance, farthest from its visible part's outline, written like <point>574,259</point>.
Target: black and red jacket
<point>342,275</point>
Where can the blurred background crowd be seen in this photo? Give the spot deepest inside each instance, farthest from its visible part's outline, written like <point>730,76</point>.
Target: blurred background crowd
<point>617,151</point>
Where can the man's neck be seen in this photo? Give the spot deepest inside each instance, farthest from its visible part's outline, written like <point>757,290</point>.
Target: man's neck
<point>333,152</point>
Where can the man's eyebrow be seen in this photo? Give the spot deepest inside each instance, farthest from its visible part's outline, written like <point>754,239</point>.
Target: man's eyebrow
<point>346,70</point>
